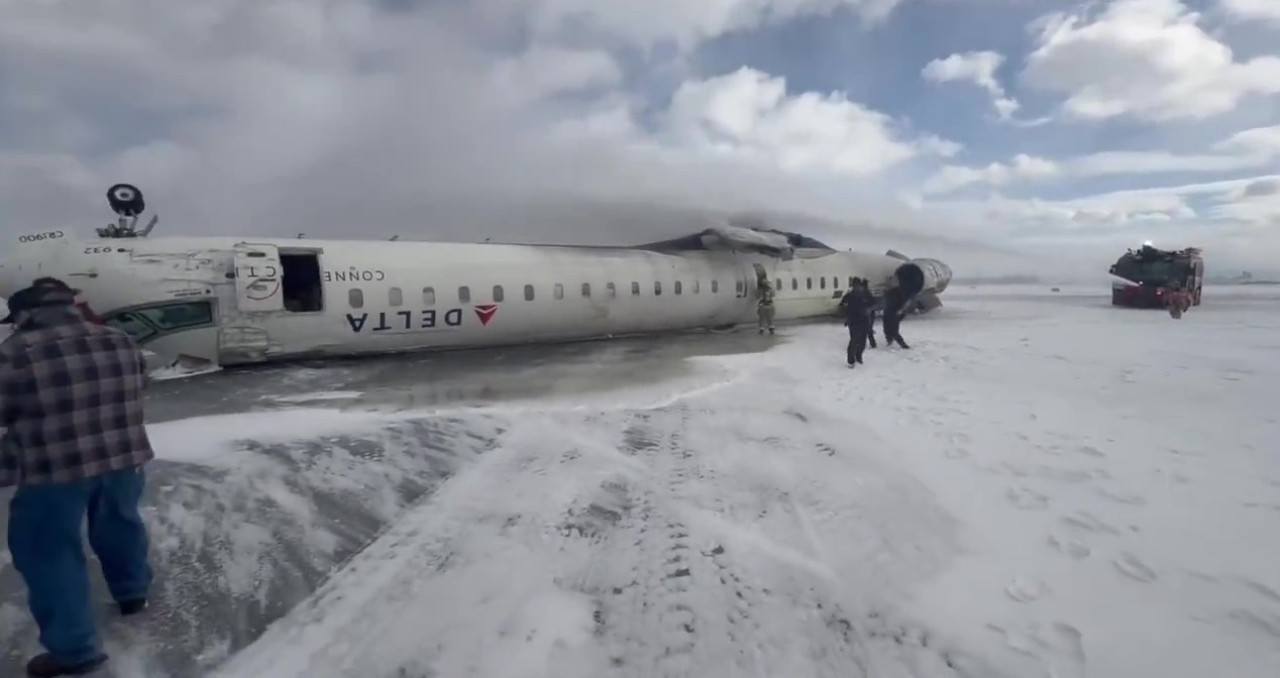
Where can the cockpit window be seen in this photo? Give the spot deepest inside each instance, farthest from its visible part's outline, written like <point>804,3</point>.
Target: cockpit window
<point>177,316</point>
<point>131,323</point>
<point>144,323</point>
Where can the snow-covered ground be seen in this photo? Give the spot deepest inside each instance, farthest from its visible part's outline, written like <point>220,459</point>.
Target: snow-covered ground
<point>1042,486</point>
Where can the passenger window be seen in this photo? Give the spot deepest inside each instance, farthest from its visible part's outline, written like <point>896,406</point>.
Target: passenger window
<point>850,281</point>
<point>835,282</point>
<point>715,286</point>
<point>822,282</point>
<point>777,284</point>
<point>464,294</point>
<point>497,293</point>
<point>808,283</point>
<point>428,296</point>
<point>528,292</point>
<point>739,287</point>
<point>678,287</point>
<point>586,290</point>
<point>395,297</point>
<point>611,289</point>
<point>697,286</point>
<point>355,298</point>
<point>558,292</point>
<point>635,289</point>
<point>795,284</point>
<point>657,288</point>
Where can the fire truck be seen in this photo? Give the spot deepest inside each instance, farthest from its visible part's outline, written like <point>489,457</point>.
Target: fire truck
<point>1143,276</point>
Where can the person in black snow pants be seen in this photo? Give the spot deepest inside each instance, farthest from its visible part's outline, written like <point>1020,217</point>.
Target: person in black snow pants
<point>871,316</point>
<point>893,312</point>
<point>857,318</point>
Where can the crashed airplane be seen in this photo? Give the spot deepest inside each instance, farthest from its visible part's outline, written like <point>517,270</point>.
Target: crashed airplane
<point>223,301</point>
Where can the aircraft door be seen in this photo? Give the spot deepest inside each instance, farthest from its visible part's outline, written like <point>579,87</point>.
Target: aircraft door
<point>743,286</point>
<point>259,280</point>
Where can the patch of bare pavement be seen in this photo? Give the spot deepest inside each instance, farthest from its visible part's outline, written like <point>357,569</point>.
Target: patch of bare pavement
<point>426,380</point>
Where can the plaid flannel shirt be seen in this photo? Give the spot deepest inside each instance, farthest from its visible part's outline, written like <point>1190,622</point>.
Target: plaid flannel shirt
<point>70,401</point>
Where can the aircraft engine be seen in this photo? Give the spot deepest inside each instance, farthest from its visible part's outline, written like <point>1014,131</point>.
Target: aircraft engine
<point>923,276</point>
<point>922,280</point>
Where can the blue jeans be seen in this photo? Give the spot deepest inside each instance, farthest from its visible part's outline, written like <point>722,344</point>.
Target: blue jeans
<point>44,539</point>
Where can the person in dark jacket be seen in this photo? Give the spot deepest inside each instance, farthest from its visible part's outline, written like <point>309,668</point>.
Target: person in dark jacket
<point>75,446</point>
<point>871,316</point>
<point>857,317</point>
<point>894,306</point>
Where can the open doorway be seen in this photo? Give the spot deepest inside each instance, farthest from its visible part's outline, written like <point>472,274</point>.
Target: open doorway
<point>303,291</point>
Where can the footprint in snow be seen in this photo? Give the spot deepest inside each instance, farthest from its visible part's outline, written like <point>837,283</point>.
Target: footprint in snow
<point>1132,567</point>
<point>1083,520</point>
<point>1090,451</point>
<point>1025,590</point>
<point>1026,499</point>
<point>1073,548</point>
<point>1123,497</point>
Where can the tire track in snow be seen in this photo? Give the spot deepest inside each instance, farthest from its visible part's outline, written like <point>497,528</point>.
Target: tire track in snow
<point>619,544</point>
<point>688,605</point>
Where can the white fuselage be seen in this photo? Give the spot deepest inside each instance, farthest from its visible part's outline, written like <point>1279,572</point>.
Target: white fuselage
<point>233,301</point>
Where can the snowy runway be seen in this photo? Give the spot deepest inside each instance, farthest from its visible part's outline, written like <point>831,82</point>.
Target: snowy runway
<point>1042,486</point>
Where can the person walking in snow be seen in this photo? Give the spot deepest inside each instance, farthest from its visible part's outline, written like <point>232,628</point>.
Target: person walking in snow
<point>894,305</point>
<point>75,446</point>
<point>764,305</point>
<point>1177,301</point>
<point>857,317</point>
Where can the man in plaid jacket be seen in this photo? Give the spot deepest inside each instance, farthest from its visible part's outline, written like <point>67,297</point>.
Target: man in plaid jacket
<point>75,445</point>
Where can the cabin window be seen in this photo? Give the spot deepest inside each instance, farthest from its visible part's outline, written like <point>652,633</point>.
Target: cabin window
<point>822,282</point>
<point>355,297</point>
<point>464,294</point>
<point>395,297</point>
<point>715,286</point>
<point>740,287</point>
<point>497,293</point>
<point>835,282</point>
<point>795,283</point>
<point>697,286</point>
<point>635,289</point>
<point>528,292</point>
<point>808,283</point>
<point>611,289</point>
<point>777,284</point>
<point>850,281</point>
<point>657,287</point>
<point>558,291</point>
<point>679,287</point>
<point>586,290</point>
<point>428,296</point>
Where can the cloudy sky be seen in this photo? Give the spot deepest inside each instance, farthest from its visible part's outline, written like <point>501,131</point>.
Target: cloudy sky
<point>1021,124</point>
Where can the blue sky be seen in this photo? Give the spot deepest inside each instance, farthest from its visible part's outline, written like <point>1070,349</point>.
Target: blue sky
<point>1134,119</point>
